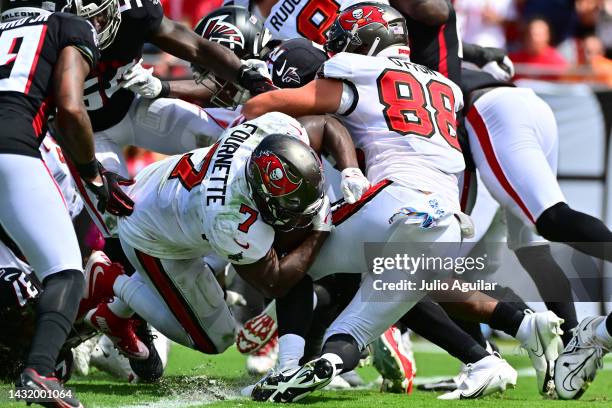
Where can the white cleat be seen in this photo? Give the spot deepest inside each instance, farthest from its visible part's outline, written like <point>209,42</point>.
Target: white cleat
<point>82,355</point>
<point>105,357</point>
<point>489,375</point>
<point>543,346</point>
<point>578,364</point>
<point>296,383</point>
<point>338,383</point>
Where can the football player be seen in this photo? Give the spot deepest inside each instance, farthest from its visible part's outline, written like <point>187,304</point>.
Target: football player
<point>47,57</point>
<point>393,176</point>
<point>229,199</point>
<point>120,117</point>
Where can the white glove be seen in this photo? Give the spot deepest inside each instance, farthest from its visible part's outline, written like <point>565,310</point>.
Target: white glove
<point>260,66</point>
<point>323,220</point>
<point>234,298</point>
<point>353,184</point>
<point>502,71</point>
<point>141,81</point>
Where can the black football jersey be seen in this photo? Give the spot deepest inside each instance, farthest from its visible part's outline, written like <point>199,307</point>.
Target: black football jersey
<point>29,49</point>
<point>106,102</point>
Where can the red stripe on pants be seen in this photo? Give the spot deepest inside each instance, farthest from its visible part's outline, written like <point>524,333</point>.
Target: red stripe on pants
<point>475,119</point>
<point>175,301</point>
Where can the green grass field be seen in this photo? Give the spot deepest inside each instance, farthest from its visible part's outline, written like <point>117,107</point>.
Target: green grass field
<point>194,380</point>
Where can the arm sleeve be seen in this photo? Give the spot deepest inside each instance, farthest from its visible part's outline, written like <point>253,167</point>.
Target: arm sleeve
<point>79,33</point>
<point>153,17</point>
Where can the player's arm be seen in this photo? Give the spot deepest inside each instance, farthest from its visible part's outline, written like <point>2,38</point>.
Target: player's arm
<point>274,276</point>
<point>430,12</point>
<point>180,41</point>
<point>72,120</point>
<point>327,134</point>
<point>318,97</point>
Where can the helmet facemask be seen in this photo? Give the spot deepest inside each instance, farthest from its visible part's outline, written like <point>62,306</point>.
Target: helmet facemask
<point>103,14</point>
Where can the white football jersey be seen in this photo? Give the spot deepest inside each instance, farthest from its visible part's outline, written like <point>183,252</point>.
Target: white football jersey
<point>290,19</point>
<point>403,116</point>
<point>199,203</point>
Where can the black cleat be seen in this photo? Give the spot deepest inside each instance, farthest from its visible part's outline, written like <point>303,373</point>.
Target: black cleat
<point>151,369</point>
<point>31,383</point>
<point>295,384</point>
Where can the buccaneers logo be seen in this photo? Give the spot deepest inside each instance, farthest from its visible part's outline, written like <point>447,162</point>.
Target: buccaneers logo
<point>222,32</point>
<point>361,17</point>
<point>274,176</point>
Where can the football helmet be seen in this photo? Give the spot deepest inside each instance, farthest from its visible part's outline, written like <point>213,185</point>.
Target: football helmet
<point>367,29</point>
<point>104,15</point>
<point>286,181</point>
<point>244,34</point>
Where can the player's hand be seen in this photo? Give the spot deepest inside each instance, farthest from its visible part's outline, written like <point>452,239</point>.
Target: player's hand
<point>234,298</point>
<point>142,82</point>
<point>111,198</point>
<point>252,79</point>
<point>498,64</point>
<point>353,184</point>
<point>323,220</point>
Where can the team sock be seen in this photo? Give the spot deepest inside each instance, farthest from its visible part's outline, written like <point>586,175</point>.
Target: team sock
<point>506,318</point>
<point>117,306</point>
<point>342,350</point>
<point>291,350</point>
<point>602,333</point>
<point>56,310</point>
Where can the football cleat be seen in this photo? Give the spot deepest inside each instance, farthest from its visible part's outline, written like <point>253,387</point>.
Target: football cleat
<point>296,383</point>
<point>264,359</point>
<point>489,375</point>
<point>105,357</point>
<point>31,381</point>
<point>392,362</point>
<point>120,331</point>
<point>82,355</point>
<point>543,347</point>
<point>578,364</point>
<point>100,275</point>
<point>451,384</point>
<point>258,331</point>
<point>353,379</point>
<point>151,369</point>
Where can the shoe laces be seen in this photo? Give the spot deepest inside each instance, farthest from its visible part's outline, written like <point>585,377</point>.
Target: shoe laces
<point>600,350</point>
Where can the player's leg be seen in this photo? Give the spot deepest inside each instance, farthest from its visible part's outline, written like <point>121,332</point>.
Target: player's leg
<point>34,215</point>
<point>173,126</point>
<point>513,136</point>
<point>189,305</point>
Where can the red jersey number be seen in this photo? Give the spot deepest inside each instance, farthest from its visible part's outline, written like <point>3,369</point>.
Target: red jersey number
<point>252,217</point>
<point>405,102</point>
<point>186,172</point>
<point>315,19</point>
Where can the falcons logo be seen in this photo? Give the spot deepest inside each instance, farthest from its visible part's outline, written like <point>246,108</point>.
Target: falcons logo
<point>274,176</point>
<point>222,32</point>
<point>361,17</point>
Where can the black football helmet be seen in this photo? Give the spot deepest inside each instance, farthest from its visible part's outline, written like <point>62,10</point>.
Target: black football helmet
<point>286,180</point>
<point>367,29</point>
<point>103,14</point>
<point>235,28</point>
<point>295,62</point>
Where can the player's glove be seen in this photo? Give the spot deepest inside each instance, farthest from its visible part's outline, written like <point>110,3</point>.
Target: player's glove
<point>498,64</point>
<point>323,220</point>
<point>252,79</point>
<point>353,184</point>
<point>142,82</point>
<point>110,196</point>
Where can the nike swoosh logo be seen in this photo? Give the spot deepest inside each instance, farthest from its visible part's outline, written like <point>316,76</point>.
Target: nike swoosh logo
<point>244,246</point>
<point>280,72</point>
<point>97,271</point>
<point>477,392</point>
<point>570,378</point>
<point>7,277</point>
